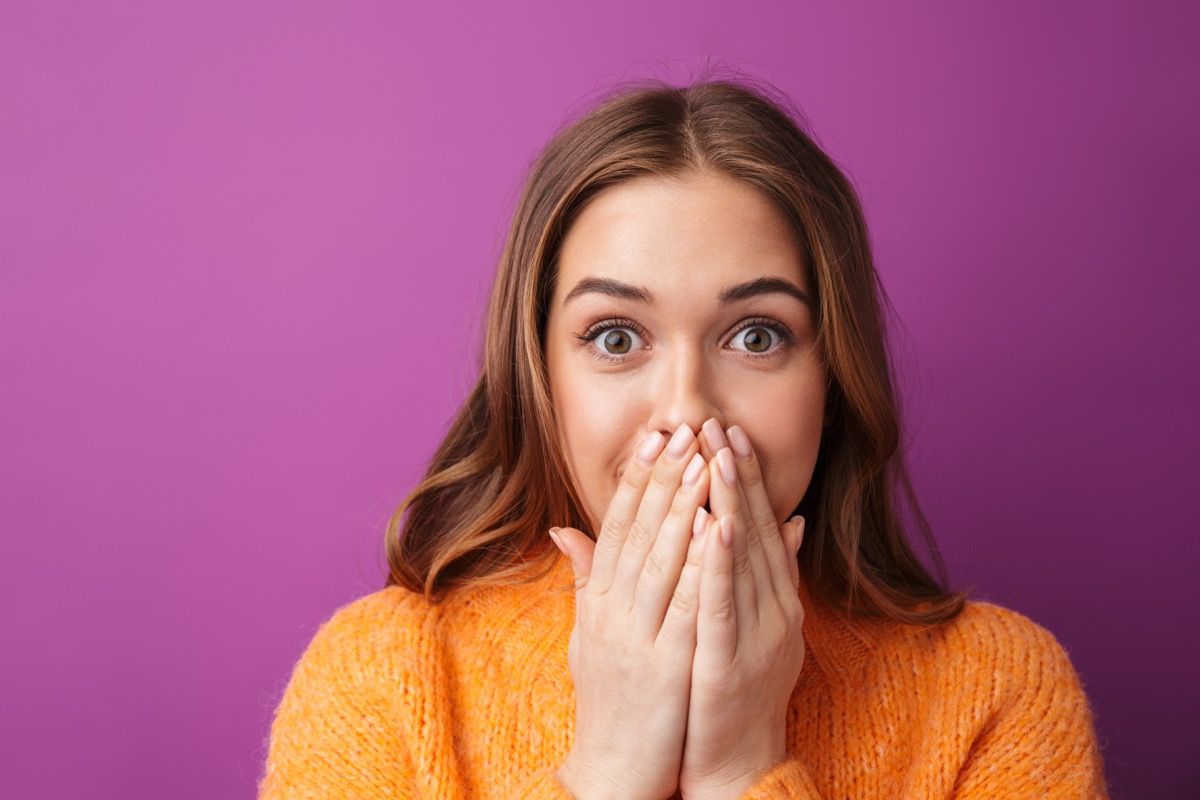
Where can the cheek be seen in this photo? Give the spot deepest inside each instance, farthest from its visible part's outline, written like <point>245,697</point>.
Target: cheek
<point>596,425</point>
<point>591,420</point>
<point>787,446</point>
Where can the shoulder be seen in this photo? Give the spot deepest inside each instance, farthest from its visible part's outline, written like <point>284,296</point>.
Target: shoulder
<point>991,643</point>
<point>1011,686</point>
<point>368,634</point>
<point>378,609</point>
<point>1001,634</point>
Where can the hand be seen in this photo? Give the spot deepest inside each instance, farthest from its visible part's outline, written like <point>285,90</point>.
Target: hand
<point>636,599</point>
<point>749,647</point>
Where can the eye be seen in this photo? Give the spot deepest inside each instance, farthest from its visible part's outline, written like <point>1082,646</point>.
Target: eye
<point>613,338</point>
<point>614,344</point>
<point>759,344</point>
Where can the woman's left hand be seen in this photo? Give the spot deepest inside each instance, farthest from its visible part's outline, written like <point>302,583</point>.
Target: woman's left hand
<point>749,645</point>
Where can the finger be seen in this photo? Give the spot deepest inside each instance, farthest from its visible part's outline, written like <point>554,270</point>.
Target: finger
<point>712,439</point>
<point>578,549</point>
<point>665,480</point>
<point>751,576</point>
<point>661,572</point>
<point>759,510</point>
<point>717,620</point>
<point>679,623</point>
<point>622,509</point>
<point>792,536</point>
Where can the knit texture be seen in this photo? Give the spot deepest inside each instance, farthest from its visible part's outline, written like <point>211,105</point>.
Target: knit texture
<point>472,698</point>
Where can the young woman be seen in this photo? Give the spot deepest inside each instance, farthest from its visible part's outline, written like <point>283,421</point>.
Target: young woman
<point>660,552</point>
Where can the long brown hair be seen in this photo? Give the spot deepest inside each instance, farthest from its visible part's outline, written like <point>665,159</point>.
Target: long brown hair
<point>496,483</point>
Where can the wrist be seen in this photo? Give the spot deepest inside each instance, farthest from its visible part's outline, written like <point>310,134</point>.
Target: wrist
<point>735,780</point>
<point>585,784</point>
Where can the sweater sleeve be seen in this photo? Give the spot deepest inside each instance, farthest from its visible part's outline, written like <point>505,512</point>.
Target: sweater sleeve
<point>542,784</point>
<point>787,780</point>
<point>1042,740</point>
<point>333,735</point>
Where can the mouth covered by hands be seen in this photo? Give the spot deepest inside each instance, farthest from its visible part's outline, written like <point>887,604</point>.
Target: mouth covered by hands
<point>740,578</point>
<point>749,645</point>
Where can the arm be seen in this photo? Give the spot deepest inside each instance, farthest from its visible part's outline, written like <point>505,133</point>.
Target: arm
<point>347,726</point>
<point>787,780</point>
<point>334,733</point>
<point>543,784</point>
<point>1040,742</point>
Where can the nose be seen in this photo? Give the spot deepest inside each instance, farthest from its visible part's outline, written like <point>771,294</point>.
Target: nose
<point>684,392</point>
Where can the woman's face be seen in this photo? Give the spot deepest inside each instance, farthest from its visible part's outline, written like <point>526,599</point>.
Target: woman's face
<point>679,285</point>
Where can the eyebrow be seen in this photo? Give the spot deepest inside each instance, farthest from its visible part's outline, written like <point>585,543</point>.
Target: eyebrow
<point>730,294</point>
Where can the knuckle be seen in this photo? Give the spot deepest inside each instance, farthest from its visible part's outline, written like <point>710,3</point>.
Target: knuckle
<point>634,477</point>
<point>742,566</point>
<point>724,610</point>
<point>765,520</point>
<point>639,535</point>
<point>654,566</point>
<point>753,543</point>
<point>684,600</point>
<point>610,531</point>
<point>664,479</point>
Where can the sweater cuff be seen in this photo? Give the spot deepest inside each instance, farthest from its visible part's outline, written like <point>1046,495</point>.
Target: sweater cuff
<point>543,784</point>
<point>787,780</point>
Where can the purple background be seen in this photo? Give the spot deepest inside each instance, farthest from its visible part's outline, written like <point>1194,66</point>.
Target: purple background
<point>245,250</point>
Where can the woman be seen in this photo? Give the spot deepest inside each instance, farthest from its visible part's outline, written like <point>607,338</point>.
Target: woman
<point>659,553</point>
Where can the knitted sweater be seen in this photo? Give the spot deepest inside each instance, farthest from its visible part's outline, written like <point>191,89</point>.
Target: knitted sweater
<point>398,698</point>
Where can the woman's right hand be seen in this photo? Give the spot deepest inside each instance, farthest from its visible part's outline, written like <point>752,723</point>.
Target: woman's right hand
<point>636,599</point>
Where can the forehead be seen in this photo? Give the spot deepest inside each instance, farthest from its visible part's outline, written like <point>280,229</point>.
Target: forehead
<point>679,235</point>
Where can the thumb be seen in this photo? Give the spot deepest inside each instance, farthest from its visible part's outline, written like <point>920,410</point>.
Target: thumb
<point>793,537</point>
<point>578,547</point>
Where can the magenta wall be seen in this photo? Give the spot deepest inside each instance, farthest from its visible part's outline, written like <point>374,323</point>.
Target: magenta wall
<point>245,248</point>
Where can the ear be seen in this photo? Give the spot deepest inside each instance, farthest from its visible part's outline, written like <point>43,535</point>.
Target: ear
<point>578,547</point>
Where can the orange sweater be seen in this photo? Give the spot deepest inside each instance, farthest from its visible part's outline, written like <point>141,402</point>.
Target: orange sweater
<point>397,698</point>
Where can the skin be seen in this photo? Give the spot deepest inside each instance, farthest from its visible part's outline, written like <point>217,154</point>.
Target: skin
<point>691,361</point>
<point>684,241</point>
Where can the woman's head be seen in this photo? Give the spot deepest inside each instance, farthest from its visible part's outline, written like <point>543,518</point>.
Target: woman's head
<point>696,198</point>
<point>678,299</point>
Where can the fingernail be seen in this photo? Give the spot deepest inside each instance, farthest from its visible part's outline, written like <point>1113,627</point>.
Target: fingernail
<point>557,541</point>
<point>798,521</point>
<point>712,430</point>
<point>700,521</point>
<point>727,531</point>
<point>728,468</point>
<point>741,444</point>
<point>680,441</point>
<point>692,474</point>
<point>650,448</point>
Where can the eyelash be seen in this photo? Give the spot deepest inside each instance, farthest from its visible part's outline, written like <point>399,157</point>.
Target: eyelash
<point>785,336</point>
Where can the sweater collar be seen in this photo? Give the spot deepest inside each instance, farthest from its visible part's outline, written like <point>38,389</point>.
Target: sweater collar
<point>841,644</point>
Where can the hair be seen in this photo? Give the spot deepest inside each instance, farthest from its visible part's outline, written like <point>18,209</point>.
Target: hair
<point>495,484</point>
